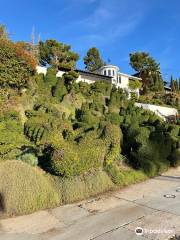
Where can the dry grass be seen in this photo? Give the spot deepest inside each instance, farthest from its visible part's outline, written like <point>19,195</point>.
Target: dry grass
<point>78,188</point>
<point>24,189</point>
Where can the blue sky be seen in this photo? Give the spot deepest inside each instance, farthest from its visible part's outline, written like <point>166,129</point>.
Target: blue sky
<point>116,27</point>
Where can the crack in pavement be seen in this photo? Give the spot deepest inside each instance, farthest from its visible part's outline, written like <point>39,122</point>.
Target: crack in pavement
<point>143,205</point>
<point>116,228</point>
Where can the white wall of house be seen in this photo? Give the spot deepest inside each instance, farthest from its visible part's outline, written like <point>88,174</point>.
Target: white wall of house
<point>86,79</point>
<point>159,110</point>
<point>42,70</point>
<point>60,73</point>
<point>123,81</point>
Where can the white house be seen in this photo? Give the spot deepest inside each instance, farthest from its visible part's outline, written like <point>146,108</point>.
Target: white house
<point>108,73</point>
<point>119,79</point>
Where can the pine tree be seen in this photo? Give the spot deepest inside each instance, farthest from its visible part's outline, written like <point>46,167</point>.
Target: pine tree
<point>171,81</point>
<point>93,60</point>
<point>148,69</point>
<point>57,54</point>
<point>176,85</point>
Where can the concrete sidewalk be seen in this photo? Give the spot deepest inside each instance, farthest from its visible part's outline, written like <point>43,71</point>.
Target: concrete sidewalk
<point>112,216</point>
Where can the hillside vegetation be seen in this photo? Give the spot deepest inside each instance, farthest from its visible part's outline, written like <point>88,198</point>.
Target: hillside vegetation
<point>90,145</point>
<point>62,141</point>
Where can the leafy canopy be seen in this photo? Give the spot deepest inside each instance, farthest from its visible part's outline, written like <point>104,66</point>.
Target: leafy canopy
<point>16,65</point>
<point>93,60</point>
<point>135,84</point>
<point>59,55</point>
<point>148,69</point>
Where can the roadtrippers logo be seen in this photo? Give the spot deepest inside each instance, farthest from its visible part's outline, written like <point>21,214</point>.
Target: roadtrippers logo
<point>139,231</point>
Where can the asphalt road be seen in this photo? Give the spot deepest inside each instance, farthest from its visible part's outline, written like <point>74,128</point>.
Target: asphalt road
<point>153,206</point>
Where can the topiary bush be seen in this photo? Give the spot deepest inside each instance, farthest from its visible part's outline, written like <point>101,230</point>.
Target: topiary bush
<point>98,182</point>
<point>73,189</point>
<point>84,186</point>
<point>24,189</point>
<point>29,158</point>
<point>123,177</point>
<point>59,90</point>
<point>112,137</point>
<point>50,79</point>
<point>114,118</point>
<point>101,87</point>
<point>71,158</point>
<point>87,116</point>
<point>175,158</point>
<point>12,139</point>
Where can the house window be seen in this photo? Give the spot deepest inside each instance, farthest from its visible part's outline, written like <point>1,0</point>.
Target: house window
<point>119,79</point>
<point>113,72</point>
<point>105,72</point>
<point>109,72</point>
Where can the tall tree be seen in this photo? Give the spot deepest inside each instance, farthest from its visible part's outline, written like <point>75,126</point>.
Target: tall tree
<point>31,49</point>
<point>148,69</point>
<point>174,84</point>
<point>3,33</point>
<point>56,54</point>
<point>171,81</point>
<point>16,65</point>
<point>93,60</point>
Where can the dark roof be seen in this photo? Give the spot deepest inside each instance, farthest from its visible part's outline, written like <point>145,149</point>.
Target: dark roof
<point>136,74</point>
<point>167,88</point>
<point>93,74</point>
<point>87,73</point>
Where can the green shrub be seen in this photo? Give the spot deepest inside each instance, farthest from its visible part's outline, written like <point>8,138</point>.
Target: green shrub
<point>86,115</point>
<point>112,136</point>
<point>124,177</point>
<point>70,78</point>
<point>101,87</point>
<point>114,118</point>
<point>39,127</point>
<point>59,91</point>
<point>153,158</point>
<point>12,139</point>
<point>71,159</point>
<point>73,189</point>
<point>50,78</point>
<point>149,167</point>
<point>24,189</point>
<point>175,157</point>
<point>84,186</point>
<point>98,182</point>
<point>85,89</point>
<point>29,158</point>
<point>118,98</point>
<point>17,65</point>
<point>174,130</point>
